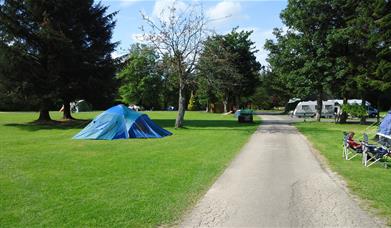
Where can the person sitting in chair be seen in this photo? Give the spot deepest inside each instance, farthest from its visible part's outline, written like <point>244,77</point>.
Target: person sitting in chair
<point>353,144</point>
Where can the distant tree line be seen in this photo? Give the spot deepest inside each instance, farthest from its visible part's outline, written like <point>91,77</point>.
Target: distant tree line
<point>181,65</point>
<point>226,73</point>
<point>52,53</point>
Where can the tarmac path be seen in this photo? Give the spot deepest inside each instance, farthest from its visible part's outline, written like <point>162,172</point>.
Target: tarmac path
<point>277,181</point>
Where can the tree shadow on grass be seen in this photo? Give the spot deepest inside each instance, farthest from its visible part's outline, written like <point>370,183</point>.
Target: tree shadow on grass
<point>209,124</point>
<point>51,125</point>
<point>164,123</point>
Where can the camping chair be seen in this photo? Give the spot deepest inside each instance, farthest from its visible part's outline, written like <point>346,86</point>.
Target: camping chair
<point>349,152</point>
<point>373,154</point>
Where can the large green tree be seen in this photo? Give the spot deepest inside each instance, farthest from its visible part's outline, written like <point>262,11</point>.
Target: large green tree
<point>360,45</point>
<point>56,50</point>
<point>217,76</point>
<point>382,14</point>
<point>302,55</point>
<point>88,68</point>
<point>141,81</point>
<point>227,68</point>
<point>29,44</point>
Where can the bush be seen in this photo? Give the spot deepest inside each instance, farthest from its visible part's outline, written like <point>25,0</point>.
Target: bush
<point>355,110</point>
<point>193,104</point>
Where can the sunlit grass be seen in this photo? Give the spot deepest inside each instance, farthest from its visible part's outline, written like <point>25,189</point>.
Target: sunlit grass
<point>48,179</point>
<point>372,184</point>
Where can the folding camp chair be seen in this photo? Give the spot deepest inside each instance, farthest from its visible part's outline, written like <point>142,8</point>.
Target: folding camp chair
<point>373,153</point>
<point>348,152</point>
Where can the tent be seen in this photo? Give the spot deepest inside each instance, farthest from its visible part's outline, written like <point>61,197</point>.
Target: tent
<point>80,106</point>
<point>385,126</point>
<point>119,122</point>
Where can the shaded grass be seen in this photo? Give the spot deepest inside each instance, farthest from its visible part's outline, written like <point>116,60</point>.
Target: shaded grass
<point>372,184</point>
<point>48,179</point>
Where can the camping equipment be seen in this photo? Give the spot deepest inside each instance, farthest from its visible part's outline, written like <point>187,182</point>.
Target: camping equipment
<point>245,116</point>
<point>384,132</point>
<point>373,154</point>
<point>119,122</point>
<point>80,106</point>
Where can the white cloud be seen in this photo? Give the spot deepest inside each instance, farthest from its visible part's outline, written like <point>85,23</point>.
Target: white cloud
<point>115,54</point>
<point>161,8</point>
<point>137,37</point>
<point>225,11</point>
<point>125,3</point>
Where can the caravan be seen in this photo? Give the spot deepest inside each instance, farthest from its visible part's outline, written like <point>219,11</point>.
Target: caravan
<point>308,109</point>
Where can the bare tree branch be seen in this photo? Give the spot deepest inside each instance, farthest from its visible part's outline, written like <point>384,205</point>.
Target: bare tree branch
<point>178,35</point>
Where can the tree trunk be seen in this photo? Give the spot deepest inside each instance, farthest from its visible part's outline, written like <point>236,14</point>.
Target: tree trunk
<point>237,102</point>
<point>344,116</point>
<point>363,119</point>
<point>319,103</point>
<point>44,113</point>
<point>67,111</point>
<point>181,105</point>
<point>378,110</point>
<point>225,103</point>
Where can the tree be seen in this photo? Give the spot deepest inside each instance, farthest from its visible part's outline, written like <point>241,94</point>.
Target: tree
<point>382,14</point>
<point>178,34</point>
<point>30,45</point>
<point>63,45</point>
<point>301,55</point>
<point>192,106</point>
<point>141,82</point>
<point>243,51</point>
<point>216,73</point>
<point>88,68</point>
<point>272,91</point>
<point>360,43</point>
<point>228,66</point>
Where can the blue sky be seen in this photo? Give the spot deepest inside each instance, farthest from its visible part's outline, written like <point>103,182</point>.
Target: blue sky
<point>258,15</point>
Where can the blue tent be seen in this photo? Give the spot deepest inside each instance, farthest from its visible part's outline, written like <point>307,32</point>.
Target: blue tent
<point>385,126</point>
<point>119,122</point>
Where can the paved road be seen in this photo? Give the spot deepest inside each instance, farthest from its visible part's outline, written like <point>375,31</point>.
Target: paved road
<point>276,181</point>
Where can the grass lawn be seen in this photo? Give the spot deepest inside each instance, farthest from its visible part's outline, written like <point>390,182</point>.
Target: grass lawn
<point>48,179</point>
<point>372,184</point>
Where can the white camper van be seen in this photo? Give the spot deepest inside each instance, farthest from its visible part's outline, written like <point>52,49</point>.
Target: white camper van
<point>308,109</point>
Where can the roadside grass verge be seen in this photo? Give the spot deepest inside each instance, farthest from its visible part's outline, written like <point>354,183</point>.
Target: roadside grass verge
<point>372,184</point>
<point>48,179</point>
